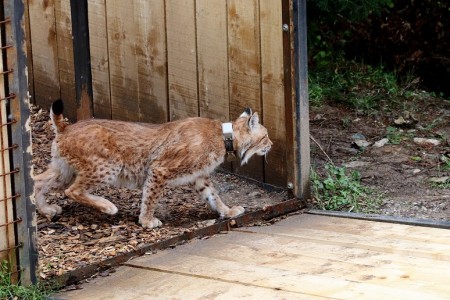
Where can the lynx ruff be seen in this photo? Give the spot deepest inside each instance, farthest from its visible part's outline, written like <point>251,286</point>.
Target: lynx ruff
<point>94,153</point>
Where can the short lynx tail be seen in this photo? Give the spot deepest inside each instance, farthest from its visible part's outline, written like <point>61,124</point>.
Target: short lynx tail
<point>57,116</point>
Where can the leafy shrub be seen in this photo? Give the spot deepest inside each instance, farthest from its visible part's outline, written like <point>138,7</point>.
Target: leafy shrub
<point>338,190</point>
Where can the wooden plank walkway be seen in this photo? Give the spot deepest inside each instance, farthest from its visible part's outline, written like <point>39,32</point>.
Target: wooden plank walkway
<point>301,257</point>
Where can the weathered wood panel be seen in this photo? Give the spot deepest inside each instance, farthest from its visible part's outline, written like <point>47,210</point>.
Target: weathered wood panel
<point>45,51</point>
<point>136,48</point>
<point>245,69</point>
<point>182,58</point>
<point>272,75</point>
<point>152,62</point>
<point>162,60</point>
<point>212,50</point>
<point>7,238</point>
<point>98,40</point>
<point>63,25</point>
<point>122,62</point>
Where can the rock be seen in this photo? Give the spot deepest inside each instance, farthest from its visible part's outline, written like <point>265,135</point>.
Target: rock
<point>355,164</point>
<point>407,120</point>
<point>426,142</point>
<point>443,179</point>
<point>381,143</point>
<point>358,136</point>
<point>255,194</point>
<point>416,171</point>
<point>361,144</point>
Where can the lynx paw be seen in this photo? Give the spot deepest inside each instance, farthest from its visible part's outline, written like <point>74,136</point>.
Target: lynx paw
<point>111,209</point>
<point>51,211</point>
<point>235,211</point>
<point>152,223</point>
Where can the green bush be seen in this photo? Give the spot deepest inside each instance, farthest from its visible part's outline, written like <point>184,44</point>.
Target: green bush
<point>357,85</point>
<point>338,190</point>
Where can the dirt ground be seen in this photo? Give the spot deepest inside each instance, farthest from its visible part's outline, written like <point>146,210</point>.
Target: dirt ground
<point>402,172</point>
<point>81,235</point>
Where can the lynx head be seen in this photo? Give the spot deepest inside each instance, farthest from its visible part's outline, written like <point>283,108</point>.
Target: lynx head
<point>250,136</point>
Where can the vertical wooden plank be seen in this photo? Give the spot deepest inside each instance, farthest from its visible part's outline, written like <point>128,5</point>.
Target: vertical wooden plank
<point>212,52</point>
<point>7,239</point>
<point>151,60</point>
<point>98,41</point>
<point>45,52</point>
<point>122,64</point>
<point>273,89</point>
<point>29,51</point>
<point>99,58</point>
<point>136,46</point>
<point>20,135</point>
<point>302,186</point>
<point>63,25</point>
<point>245,68</point>
<point>182,58</point>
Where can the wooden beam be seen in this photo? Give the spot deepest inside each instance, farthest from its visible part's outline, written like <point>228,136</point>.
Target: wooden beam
<point>82,58</point>
<point>302,145</point>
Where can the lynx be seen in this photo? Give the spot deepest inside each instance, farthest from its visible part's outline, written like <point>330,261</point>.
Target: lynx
<point>94,153</point>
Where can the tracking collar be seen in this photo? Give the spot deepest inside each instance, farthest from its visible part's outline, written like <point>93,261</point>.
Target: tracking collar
<point>227,133</point>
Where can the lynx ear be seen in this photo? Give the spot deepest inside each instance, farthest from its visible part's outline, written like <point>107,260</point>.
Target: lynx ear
<point>247,112</point>
<point>253,121</point>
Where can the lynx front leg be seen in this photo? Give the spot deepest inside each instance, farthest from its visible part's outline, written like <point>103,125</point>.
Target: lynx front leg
<point>208,193</point>
<point>50,179</point>
<point>151,193</point>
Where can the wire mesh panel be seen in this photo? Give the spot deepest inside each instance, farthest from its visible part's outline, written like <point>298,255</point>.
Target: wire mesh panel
<point>17,225</point>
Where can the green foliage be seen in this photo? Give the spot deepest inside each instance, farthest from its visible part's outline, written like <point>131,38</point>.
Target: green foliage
<point>445,166</point>
<point>323,15</point>
<point>360,86</point>
<point>341,191</point>
<point>393,135</point>
<point>8,290</point>
<point>356,10</point>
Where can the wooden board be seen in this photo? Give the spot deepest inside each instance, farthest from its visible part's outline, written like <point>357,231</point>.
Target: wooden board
<point>122,63</point>
<point>302,257</point>
<point>245,69</point>
<point>137,60</point>
<point>7,238</point>
<point>63,25</point>
<point>151,60</point>
<point>45,52</point>
<point>98,40</point>
<point>182,58</point>
<point>212,50</point>
<point>272,74</point>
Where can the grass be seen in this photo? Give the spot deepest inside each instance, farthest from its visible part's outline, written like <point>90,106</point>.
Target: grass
<point>8,290</point>
<point>338,190</point>
<point>360,86</point>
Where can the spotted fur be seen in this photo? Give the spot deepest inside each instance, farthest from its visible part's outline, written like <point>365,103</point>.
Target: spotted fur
<point>94,153</point>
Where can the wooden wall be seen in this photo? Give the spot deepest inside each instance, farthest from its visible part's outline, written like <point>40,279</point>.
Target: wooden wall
<point>162,60</point>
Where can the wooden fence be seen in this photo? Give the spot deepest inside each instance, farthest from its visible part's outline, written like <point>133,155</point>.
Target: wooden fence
<point>161,60</point>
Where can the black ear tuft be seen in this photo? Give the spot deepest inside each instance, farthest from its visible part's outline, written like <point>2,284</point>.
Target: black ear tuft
<point>248,111</point>
<point>58,107</point>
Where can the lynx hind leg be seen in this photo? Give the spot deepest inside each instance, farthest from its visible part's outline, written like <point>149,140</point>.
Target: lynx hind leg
<point>208,193</point>
<point>151,193</point>
<point>43,183</point>
<point>79,191</point>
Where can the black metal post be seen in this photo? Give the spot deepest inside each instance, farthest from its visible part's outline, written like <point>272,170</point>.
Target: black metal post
<point>302,100</point>
<point>82,58</point>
